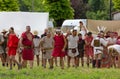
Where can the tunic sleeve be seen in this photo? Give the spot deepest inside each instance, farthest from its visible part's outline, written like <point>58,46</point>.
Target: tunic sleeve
<point>104,42</point>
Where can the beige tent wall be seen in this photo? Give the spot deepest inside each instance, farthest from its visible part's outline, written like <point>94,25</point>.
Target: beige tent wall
<point>110,25</point>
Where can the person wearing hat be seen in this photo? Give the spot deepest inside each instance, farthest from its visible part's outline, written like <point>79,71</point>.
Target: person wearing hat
<point>4,31</point>
<point>36,41</point>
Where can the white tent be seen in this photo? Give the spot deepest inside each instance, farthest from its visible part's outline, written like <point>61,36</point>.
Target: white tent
<point>19,20</point>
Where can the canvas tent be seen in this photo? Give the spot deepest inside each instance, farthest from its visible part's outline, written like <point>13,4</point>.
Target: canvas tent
<point>109,25</point>
<point>19,20</point>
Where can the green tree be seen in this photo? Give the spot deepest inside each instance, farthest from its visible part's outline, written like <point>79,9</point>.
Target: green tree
<point>96,5</point>
<point>9,5</point>
<point>59,10</point>
<point>116,4</point>
<point>98,9</point>
<point>99,15</point>
<point>32,5</point>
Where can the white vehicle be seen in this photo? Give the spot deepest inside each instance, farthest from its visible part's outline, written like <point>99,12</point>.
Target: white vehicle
<point>72,24</point>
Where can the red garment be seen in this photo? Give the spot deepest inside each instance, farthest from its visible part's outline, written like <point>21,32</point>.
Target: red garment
<point>58,46</point>
<point>89,48</point>
<point>27,53</point>
<point>12,51</point>
<point>12,44</point>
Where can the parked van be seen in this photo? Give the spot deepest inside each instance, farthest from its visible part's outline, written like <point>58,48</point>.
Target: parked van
<point>72,23</point>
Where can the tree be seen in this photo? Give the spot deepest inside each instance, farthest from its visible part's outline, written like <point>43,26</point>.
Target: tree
<point>32,5</point>
<point>9,5</point>
<point>98,9</point>
<point>97,15</point>
<point>80,8</point>
<point>116,4</point>
<point>59,10</point>
<point>96,5</point>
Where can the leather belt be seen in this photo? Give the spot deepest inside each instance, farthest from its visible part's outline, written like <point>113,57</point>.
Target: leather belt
<point>28,47</point>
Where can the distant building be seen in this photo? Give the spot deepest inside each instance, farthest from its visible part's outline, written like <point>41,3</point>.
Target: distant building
<point>116,15</point>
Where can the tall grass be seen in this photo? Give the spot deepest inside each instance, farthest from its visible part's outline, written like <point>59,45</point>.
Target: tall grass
<point>58,73</point>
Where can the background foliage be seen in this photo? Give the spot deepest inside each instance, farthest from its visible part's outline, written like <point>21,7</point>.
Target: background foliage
<point>98,9</point>
<point>116,4</point>
<point>9,5</point>
<point>59,10</point>
<point>64,9</point>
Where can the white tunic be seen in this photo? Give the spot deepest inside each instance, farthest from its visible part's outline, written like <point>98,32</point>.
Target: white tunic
<point>112,40</point>
<point>99,49</point>
<point>47,43</point>
<point>72,43</point>
<point>36,42</point>
<point>116,47</point>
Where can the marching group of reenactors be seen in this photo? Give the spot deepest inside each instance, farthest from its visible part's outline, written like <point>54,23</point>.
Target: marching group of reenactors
<point>74,47</point>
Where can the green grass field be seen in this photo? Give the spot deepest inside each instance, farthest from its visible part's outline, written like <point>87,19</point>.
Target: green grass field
<point>58,73</point>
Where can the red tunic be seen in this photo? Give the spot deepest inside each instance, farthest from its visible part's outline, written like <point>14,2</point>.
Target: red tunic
<point>27,53</point>
<point>89,48</point>
<point>58,46</point>
<point>12,44</point>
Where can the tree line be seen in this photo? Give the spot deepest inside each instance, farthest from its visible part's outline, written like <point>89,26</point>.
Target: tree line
<point>60,10</point>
